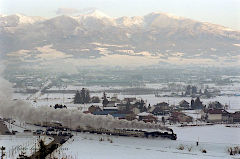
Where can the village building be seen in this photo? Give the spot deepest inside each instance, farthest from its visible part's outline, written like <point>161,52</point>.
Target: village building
<point>132,105</point>
<point>119,116</point>
<point>110,104</point>
<point>115,99</point>
<point>180,117</point>
<point>184,104</point>
<point>135,110</point>
<point>235,117</point>
<point>147,117</point>
<point>93,108</point>
<point>160,109</point>
<point>121,106</point>
<point>104,112</point>
<point>129,117</point>
<point>95,99</point>
<point>141,105</point>
<point>216,115</point>
<point>130,100</point>
<point>111,109</point>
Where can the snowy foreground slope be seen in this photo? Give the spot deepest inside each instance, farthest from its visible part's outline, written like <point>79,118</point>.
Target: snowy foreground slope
<point>214,139</point>
<point>16,144</point>
<point>89,146</point>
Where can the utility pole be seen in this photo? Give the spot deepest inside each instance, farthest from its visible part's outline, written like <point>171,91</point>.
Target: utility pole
<point>70,124</point>
<point>2,152</point>
<point>70,120</point>
<point>46,119</point>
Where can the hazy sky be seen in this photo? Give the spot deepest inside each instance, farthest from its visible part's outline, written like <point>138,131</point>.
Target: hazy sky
<point>224,12</point>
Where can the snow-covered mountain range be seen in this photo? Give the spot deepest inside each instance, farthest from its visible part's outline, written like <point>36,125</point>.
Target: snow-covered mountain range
<point>154,38</point>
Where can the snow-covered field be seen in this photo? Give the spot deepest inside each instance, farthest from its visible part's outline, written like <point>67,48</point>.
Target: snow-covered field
<point>22,141</point>
<point>67,99</point>
<point>209,134</point>
<point>215,140</point>
<point>16,144</point>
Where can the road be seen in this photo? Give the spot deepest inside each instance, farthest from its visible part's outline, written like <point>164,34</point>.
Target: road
<point>36,95</point>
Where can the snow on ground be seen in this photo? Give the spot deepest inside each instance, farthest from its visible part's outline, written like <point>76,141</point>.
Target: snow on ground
<point>89,146</point>
<point>67,99</point>
<point>234,101</point>
<point>16,144</point>
<point>209,134</point>
<point>91,88</point>
<point>195,114</point>
<point>21,126</point>
<point>215,139</point>
<point>22,141</point>
<point>14,127</point>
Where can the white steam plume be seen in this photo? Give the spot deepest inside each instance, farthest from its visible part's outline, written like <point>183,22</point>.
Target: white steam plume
<point>23,111</point>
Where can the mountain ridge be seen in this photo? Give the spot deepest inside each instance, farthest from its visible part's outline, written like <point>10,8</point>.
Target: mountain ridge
<point>100,15</point>
<point>157,36</point>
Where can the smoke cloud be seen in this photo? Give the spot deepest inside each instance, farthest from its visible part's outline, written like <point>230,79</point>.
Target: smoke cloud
<point>67,11</point>
<point>23,111</point>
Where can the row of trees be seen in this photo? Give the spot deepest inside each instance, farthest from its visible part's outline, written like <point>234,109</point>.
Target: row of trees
<point>192,90</point>
<point>83,96</point>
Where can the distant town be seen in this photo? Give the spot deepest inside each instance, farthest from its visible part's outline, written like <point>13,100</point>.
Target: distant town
<point>136,82</point>
<point>126,103</point>
<point>131,108</point>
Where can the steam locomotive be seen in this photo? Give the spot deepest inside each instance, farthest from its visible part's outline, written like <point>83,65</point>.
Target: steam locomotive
<point>148,133</point>
<point>133,132</point>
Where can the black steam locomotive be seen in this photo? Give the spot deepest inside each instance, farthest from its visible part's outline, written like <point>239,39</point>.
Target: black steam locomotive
<point>133,132</point>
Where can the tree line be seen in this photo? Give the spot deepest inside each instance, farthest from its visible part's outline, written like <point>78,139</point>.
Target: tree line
<point>83,96</point>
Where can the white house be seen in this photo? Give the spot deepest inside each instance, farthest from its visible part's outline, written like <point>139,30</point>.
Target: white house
<point>217,115</point>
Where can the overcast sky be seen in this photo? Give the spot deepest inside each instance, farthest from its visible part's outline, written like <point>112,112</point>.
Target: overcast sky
<point>223,12</point>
